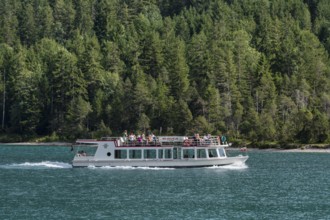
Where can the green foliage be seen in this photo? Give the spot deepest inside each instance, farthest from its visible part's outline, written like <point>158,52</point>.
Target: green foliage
<point>50,138</point>
<point>255,70</point>
<point>200,125</point>
<point>143,123</point>
<point>102,131</point>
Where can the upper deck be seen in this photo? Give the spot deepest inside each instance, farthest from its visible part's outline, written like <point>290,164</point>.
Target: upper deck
<point>160,141</point>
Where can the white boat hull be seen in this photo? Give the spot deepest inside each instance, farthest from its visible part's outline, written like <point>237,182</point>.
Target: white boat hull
<point>166,163</point>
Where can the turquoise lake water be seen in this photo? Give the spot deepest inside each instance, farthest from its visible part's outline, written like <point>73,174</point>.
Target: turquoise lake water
<point>38,182</point>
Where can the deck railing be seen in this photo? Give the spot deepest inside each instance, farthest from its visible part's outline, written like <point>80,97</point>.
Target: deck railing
<point>162,141</point>
<point>187,142</point>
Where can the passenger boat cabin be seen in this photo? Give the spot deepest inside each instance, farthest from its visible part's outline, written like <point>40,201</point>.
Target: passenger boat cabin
<point>164,148</point>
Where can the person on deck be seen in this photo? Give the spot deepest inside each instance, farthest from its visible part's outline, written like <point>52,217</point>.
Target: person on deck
<point>132,138</point>
<point>197,139</point>
<point>223,139</point>
<point>153,138</point>
<point>143,138</point>
<point>125,135</point>
<point>139,139</point>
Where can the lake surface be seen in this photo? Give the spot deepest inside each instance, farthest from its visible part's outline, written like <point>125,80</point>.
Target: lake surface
<point>38,182</point>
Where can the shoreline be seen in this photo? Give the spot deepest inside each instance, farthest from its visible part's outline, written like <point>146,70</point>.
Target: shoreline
<point>38,144</point>
<point>308,150</point>
<point>294,150</point>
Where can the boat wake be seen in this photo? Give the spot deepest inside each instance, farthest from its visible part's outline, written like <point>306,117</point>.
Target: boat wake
<point>37,165</point>
<point>235,166</point>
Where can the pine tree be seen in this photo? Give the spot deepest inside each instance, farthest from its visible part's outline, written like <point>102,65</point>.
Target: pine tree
<point>44,19</point>
<point>64,15</point>
<point>177,68</point>
<point>76,117</point>
<point>65,84</point>
<point>199,62</point>
<point>8,22</point>
<point>27,26</point>
<point>111,60</point>
<point>214,114</point>
<point>152,57</point>
<point>181,118</point>
<point>255,70</point>
<point>84,16</point>
<point>141,95</point>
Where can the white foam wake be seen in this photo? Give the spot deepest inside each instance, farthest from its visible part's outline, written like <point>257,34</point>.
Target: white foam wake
<point>38,165</point>
<point>234,166</point>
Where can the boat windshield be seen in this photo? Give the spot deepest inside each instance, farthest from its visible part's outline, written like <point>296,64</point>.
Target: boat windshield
<point>213,153</point>
<point>84,150</point>
<point>222,152</point>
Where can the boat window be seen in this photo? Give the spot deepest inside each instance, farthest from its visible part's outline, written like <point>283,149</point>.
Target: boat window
<point>222,152</point>
<point>201,153</point>
<point>135,154</point>
<point>149,154</point>
<point>160,153</point>
<point>88,150</point>
<point>168,153</point>
<point>188,153</point>
<point>213,153</point>
<point>176,153</point>
<point>120,154</point>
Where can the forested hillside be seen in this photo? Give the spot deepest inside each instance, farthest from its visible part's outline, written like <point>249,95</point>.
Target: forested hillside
<point>252,69</point>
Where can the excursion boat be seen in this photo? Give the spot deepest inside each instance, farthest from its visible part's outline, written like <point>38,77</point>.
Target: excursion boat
<point>163,151</point>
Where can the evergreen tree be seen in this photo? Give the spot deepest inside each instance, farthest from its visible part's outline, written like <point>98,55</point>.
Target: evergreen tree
<point>152,57</point>
<point>25,111</point>
<point>111,58</point>
<point>84,16</point>
<point>6,61</point>
<point>64,15</point>
<point>106,25</point>
<point>199,62</point>
<point>8,22</point>
<point>44,19</point>
<point>181,118</point>
<point>265,91</point>
<point>27,26</point>
<point>141,95</point>
<point>214,108</point>
<point>177,68</point>
<point>254,70</point>
<point>76,117</point>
